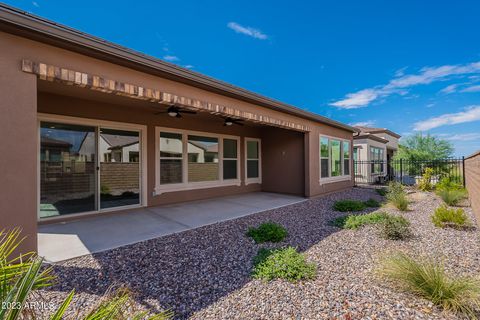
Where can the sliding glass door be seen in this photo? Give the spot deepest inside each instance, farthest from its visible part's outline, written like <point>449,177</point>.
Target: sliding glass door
<point>119,168</point>
<point>67,169</point>
<point>87,168</point>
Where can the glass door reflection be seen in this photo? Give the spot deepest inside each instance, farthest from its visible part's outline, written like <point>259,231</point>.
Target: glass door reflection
<point>119,152</point>
<point>68,180</point>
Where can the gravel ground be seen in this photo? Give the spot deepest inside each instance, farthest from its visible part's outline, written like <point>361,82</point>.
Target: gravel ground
<point>204,273</point>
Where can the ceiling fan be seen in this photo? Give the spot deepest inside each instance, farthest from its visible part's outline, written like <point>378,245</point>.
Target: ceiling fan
<point>175,112</point>
<point>230,121</point>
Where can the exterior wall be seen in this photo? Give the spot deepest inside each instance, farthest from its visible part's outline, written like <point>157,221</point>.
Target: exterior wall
<point>392,141</point>
<point>364,174</point>
<point>290,163</point>
<point>18,146</point>
<point>472,179</point>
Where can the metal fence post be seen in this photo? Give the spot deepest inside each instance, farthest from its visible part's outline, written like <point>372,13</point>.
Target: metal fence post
<point>401,171</point>
<point>463,171</point>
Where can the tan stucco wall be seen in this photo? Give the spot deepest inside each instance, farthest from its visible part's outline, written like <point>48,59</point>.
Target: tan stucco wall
<point>18,146</point>
<point>472,180</point>
<point>18,190</point>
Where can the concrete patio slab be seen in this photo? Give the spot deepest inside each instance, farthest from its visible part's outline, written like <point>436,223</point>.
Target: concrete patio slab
<point>66,240</point>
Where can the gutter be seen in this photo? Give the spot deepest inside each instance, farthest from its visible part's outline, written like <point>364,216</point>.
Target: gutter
<point>33,27</point>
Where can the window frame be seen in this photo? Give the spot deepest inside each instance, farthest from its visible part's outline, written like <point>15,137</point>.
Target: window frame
<point>341,177</point>
<point>381,162</point>
<point>259,178</point>
<point>185,185</point>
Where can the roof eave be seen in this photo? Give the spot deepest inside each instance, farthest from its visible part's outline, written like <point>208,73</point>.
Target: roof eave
<point>36,28</point>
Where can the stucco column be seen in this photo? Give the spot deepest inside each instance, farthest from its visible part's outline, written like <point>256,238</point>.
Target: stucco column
<point>18,147</point>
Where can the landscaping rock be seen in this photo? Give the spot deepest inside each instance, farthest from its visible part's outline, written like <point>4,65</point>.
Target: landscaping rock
<point>205,273</point>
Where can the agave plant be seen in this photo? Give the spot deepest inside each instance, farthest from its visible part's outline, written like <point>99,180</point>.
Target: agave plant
<point>21,275</point>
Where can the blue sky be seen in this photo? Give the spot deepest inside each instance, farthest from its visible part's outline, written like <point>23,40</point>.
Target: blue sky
<point>406,65</point>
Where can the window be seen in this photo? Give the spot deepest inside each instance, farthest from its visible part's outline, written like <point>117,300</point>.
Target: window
<point>376,157</point>
<point>253,166</point>
<point>171,158</point>
<point>334,158</point>
<point>190,160</point>
<point>230,162</point>
<point>202,159</point>
<point>324,156</point>
<point>346,157</point>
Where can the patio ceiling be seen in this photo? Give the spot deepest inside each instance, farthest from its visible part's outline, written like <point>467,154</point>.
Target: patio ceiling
<point>95,82</point>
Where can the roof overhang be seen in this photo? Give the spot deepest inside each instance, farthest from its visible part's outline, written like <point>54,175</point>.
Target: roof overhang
<point>24,24</point>
<point>371,137</point>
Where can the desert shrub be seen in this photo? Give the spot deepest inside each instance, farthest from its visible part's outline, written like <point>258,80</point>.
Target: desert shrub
<point>447,183</point>
<point>267,232</point>
<point>452,196</point>
<point>449,217</point>
<point>425,183</point>
<point>21,278</point>
<point>349,205</point>
<point>285,263</point>
<point>356,221</point>
<point>397,196</point>
<point>428,279</point>
<point>394,228</point>
<point>381,191</point>
<point>372,203</point>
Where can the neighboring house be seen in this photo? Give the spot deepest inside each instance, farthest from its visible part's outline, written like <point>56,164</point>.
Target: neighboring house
<point>119,123</point>
<point>373,150</point>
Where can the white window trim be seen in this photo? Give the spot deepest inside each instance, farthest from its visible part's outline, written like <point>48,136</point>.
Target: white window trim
<point>142,129</point>
<point>259,179</point>
<point>331,179</point>
<point>384,159</point>
<point>185,185</point>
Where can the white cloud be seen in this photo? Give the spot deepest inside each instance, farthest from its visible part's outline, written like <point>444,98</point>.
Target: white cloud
<point>449,89</point>
<point>430,105</point>
<point>249,31</point>
<point>472,89</point>
<point>188,66</point>
<point>398,84</point>
<point>35,4</point>
<point>358,99</point>
<point>400,72</point>
<point>463,136</point>
<point>171,58</point>
<point>368,123</point>
<point>470,114</point>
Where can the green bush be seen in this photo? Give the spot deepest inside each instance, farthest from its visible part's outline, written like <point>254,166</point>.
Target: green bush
<point>267,232</point>
<point>449,217</point>
<point>397,196</point>
<point>447,183</point>
<point>285,263</point>
<point>452,196</point>
<point>394,228</point>
<point>356,221</point>
<point>349,205</point>
<point>372,203</point>
<point>425,183</point>
<point>381,191</point>
<point>427,278</point>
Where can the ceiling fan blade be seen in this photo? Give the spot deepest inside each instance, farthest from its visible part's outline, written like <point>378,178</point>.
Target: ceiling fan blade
<point>178,115</point>
<point>160,112</point>
<point>238,123</point>
<point>188,111</point>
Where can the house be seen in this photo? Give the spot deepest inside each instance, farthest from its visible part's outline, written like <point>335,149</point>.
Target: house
<point>373,148</point>
<point>89,127</point>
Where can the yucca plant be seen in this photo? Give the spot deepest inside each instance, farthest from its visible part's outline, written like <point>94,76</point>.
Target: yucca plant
<point>21,275</point>
<point>428,279</point>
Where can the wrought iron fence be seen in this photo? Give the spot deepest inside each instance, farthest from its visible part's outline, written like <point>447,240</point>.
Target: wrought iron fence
<point>408,172</point>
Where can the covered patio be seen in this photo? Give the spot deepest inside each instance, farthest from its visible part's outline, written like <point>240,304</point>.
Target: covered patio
<point>66,240</point>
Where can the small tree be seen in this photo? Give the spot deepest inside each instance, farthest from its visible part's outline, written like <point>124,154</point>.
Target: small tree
<point>421,150</point>
<point>424,147</point>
